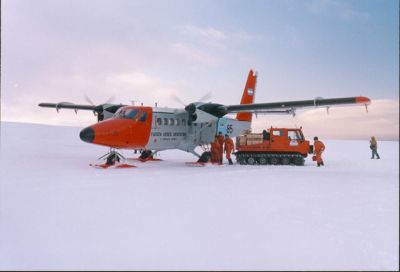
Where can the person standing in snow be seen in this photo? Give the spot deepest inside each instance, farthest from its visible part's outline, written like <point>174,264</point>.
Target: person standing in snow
<point>319,147</point>
<point>221,140</point>
<point>215,151</point>
<point>374,148</point>
<point>228,147</point>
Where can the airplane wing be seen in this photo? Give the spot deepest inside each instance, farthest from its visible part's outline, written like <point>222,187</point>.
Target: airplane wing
<point>288,107</point>
<point>67,105</point>
<point>103,111</point>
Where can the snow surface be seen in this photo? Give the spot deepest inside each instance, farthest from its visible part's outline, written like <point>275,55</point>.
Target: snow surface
<point>56,212</point>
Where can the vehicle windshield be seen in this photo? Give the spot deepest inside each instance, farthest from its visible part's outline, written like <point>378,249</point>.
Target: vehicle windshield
<point>126,113</point>
<point>294,135</point>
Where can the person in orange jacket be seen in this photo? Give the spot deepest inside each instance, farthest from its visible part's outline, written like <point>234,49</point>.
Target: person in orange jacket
<point>221,140</point>
<point>215,151</point>
<point>229,146</point>
<point>319,147</point>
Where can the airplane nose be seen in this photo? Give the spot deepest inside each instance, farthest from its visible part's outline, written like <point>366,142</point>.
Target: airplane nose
<point>87,135</point>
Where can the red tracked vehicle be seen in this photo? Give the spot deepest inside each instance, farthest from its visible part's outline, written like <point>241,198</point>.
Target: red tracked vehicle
<point>276,146</point>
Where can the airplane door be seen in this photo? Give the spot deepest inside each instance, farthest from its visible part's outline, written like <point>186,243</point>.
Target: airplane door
<point>222,126</point>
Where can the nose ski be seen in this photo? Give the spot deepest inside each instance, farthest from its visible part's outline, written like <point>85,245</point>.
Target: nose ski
<point>113,160</point>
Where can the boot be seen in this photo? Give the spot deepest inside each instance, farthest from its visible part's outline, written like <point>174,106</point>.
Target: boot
<point>322,163</point>
<point>230,162</point>
<point>318,164</point>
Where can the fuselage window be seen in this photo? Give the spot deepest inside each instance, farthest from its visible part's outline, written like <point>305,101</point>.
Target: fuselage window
<point>159,121</point>
<point>177,122</point>
<point>165,121</point>
<point>171,121</point>
<point>143,117</point>
<point>183,122</point>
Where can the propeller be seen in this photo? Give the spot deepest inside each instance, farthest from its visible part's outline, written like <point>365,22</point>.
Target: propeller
<point>99,109</point>
<point>191,108</point>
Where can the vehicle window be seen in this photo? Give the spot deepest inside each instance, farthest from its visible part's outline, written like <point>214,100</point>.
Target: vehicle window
<point>159,121</point>
<point>165,121</point>
<point>131,113</point>
<point>299,136</point>
<point>292,135</point>
<point>120,113</point>
<point>277,132</point>
<point>171,121</point>
<point>127,113</point>
<point>143,117</point>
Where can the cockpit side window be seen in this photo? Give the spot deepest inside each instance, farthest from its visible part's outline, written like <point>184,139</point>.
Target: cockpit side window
<point>143,117</point>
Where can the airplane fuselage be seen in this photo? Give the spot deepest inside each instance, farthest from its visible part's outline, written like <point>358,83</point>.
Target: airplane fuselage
<point>160,129</point>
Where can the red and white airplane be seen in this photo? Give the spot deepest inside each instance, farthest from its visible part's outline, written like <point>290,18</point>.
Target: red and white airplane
<point>154,129</point>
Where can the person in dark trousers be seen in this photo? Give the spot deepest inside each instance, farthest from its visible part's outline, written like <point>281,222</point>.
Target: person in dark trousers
<point>319,147</point>
<point>374,147</point>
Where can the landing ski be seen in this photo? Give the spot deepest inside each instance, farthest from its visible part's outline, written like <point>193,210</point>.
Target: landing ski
<point>112,166</point>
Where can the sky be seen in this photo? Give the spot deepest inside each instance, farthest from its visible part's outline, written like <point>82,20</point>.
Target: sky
<point>149,51</point>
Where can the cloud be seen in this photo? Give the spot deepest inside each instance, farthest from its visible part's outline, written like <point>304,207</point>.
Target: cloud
<point>126,86</point>
<point>213,35</point>
<point>195,54</point>
<point>217,46</point>
<point>132,79</point>
<point>338,8</point>
<point>207,33</point>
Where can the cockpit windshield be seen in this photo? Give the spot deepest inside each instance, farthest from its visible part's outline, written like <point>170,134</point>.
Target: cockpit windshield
<point>126,113</point>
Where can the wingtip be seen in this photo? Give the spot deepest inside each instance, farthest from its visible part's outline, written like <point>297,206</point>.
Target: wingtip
<point>363,100</point>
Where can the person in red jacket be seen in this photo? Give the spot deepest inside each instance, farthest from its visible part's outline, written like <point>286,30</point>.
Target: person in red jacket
<point>215,151</point>
<point>221,140</point>
<point>319,147</point>
<point>228,147</point>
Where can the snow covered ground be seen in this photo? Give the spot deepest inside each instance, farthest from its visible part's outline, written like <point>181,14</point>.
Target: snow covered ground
<point>56,212</point>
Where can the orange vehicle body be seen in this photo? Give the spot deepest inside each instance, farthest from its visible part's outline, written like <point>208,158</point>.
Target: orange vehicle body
<point>277,146</point>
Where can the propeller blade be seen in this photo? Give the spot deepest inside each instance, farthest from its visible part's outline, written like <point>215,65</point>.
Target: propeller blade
<point>206,97</point>
<point>178,100</point>
<point>89,100</point>
<point>111,99</point>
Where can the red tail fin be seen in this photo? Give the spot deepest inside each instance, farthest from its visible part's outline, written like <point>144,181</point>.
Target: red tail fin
<point>248,96</point>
